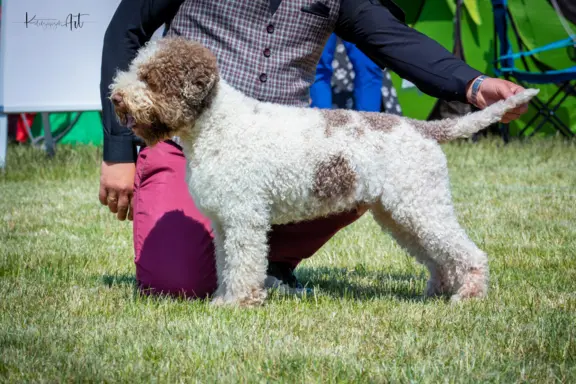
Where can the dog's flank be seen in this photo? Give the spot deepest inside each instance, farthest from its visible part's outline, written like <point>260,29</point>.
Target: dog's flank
<point>254,164</point>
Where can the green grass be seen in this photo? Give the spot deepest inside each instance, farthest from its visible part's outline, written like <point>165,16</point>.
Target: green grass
<point>68,309</point>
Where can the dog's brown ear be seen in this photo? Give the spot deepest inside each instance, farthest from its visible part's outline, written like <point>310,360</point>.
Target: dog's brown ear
<point>153,77</point>
<point>180,68</point>
<point>195,93</point>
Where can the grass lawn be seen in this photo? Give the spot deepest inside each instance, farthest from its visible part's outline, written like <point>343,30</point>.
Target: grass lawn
<point>68,311</point>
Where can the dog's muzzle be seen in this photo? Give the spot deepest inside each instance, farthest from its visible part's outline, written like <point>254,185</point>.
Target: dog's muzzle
<point>122,111</point>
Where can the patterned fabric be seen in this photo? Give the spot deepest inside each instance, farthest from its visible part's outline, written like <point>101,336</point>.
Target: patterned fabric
<point>389,96</point>
<point>343,84</point>
<point>269,56</point>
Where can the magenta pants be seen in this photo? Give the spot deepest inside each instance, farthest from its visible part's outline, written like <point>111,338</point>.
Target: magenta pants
<point>173,247</point>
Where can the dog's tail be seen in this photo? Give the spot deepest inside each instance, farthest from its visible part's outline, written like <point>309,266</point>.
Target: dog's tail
<point>465,126</point>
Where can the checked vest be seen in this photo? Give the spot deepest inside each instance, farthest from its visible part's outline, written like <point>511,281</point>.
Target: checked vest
<point>270,56</point>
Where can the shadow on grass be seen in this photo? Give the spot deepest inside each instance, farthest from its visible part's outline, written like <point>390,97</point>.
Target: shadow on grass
<point>355,284</point>
<point>363,284</point>
<point>129,280</point>
<point>119,280</point>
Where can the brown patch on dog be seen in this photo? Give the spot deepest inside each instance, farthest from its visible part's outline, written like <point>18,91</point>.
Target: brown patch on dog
<point>438,130</point>
<point>335,118</point>
<point>334,178</point>
<point>153,134</point>
<point>384,122</point>
<point>358,131</point>
<point>181,77</point>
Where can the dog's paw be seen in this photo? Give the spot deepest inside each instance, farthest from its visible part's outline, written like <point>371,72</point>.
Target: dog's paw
<point>474,284</point>
<point>471,290</point>
<point>254,298</point>
<point>219,301</point>
<point>459,286</point>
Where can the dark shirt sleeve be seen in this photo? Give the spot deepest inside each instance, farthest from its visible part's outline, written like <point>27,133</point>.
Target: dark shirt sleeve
<point>132,25</point>
<point>376,27</point>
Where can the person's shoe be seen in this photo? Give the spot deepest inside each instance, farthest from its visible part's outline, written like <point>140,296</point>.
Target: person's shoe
<point>283,272</point>
<point>280,276</point>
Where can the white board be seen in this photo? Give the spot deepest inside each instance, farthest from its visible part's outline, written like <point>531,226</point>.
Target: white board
<point>51,52</point>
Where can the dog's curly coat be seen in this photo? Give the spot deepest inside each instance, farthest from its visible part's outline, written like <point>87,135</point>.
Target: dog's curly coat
<point>252,164</point>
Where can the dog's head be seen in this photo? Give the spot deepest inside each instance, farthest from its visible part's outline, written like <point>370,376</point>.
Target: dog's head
<point>169,83</point>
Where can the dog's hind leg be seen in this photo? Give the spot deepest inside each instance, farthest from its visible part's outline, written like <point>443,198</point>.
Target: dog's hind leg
<point>408,241</point>
<point>418,206</point>
<point>241,260</point>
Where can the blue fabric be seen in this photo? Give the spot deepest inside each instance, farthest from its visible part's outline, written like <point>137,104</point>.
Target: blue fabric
<point>367,81</point>
<point>555,45</point>
<point>547,77</point>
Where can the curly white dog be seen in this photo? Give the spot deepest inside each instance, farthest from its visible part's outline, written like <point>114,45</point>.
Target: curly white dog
<point>252,164</point>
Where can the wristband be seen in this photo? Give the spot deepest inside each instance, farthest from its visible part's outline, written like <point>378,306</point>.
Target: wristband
<point>475,87</point>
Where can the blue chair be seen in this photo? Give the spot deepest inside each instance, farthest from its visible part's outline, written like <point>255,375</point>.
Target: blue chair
<point>505,66</point>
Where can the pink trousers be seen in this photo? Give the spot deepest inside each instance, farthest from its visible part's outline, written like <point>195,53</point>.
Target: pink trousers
<point>174,253</point>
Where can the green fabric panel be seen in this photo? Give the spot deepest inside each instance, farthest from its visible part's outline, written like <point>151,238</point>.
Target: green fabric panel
<point>87,130</point>
<point>538,25</point>
<point>478,41</point>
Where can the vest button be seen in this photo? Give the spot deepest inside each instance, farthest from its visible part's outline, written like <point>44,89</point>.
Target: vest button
<point>270,28</point>
<point>267,52</point>
<point>263,77</point>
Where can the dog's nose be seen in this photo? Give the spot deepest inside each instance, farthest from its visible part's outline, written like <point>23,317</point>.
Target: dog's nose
<point>117,99</point>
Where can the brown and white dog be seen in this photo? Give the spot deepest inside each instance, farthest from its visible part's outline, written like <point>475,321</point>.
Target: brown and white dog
<point>253,164</point>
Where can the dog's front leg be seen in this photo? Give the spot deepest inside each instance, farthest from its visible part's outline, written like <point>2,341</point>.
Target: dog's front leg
<point>241,261</point>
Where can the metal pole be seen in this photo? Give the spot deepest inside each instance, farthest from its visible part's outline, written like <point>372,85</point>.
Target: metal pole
<point>48,141</point>
<point>3,140</point>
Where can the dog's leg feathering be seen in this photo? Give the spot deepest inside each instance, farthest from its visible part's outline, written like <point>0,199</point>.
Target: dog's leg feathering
<point>241,260</point>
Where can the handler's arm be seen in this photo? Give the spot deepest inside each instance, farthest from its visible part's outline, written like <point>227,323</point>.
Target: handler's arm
<point>132,25</point>
<point>377,29</point>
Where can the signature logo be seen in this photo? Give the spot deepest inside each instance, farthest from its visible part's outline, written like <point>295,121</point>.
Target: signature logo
<point>72,21</point>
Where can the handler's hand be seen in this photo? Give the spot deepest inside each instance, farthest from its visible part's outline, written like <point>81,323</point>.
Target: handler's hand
<point>493,90</point>
<point>116,188</point>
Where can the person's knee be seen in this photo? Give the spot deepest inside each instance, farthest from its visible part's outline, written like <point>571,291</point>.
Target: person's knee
<point>173,246</point>
<point>181,262</point>
<point>292,243</point>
